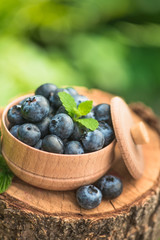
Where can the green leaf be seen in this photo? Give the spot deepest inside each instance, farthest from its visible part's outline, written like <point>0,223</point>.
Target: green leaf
<point>77,113</point>
<point>5,181</point>
<point>6,175</point>
<point>89,123</point>
<point>85,107</point>
<point>3,165</point>
<point>68,102</point>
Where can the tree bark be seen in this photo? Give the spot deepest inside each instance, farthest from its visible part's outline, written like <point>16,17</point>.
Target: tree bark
<point>31,213</point>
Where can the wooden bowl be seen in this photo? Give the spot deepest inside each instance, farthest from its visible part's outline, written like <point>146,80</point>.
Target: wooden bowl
<point>49,170</point>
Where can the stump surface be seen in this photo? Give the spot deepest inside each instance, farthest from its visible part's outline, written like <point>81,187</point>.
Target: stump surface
<point>27,212</point>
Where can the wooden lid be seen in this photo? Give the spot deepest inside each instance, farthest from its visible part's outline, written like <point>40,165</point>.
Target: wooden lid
<point>129,136</point>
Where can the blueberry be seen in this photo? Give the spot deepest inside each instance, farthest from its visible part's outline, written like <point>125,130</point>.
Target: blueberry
<point>88,197</point>
<point>44,126</point>
<point>52,110</point>
<point>110,186</point>
<point>14,115</point>
<point>107,131</point>
<point>46,89</point>
<point>52,143</point>
<point>38,144</point>
<point>73,147</point>
<point>61,109</point>
<point>93,141</point>
<point>14,130</point>
<point>54,98</point>
<point>78,132</point>
<point>102,112</point>
<point>61,125</point>
<point>35,108</point>
<point>29,134</point>
<point>79,98</point>
<point>71,91</point>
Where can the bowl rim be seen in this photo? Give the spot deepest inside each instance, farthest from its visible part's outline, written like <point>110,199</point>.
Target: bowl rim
<point>4,116</point>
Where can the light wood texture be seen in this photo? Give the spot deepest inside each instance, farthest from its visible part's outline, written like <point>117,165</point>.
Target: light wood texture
<point>27,212</point>
<point>52,171</point>
<point>139,133</point>
<point>123,122</point>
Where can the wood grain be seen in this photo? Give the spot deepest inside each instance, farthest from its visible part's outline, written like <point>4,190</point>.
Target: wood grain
<point>123,122</point>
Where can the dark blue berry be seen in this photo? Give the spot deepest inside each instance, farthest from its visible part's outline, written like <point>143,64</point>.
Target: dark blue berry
<point>52,111</point>
<point>14,130</point>
<point>46,89</point>
<point>110,186</point>
<point>14,115</point>
<point>88,197</point>
<point>44,126</point>
<point>38,144</point>
<point>35,108</point>
<point>102,112</point>
<point>93,141</point>
<point>78,132</point>
<point>52,143</point>
<point>71,91</point>
<point>54,98</point>
<point>73,147</point>
<point>29,134</point>
<point>79,98</point>
<point>107,131</point>
<point>61,125</point>
<point>61,109</point>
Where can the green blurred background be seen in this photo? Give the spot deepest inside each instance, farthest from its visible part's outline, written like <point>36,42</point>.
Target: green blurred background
<point>110,45</point>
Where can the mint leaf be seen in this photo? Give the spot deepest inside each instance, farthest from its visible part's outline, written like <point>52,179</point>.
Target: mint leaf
<point>5,181</point>
<point>6,175</point>
<point>85,107</point>
<point>3,165</point>
<point>89,123</point>
<point>68,102</point>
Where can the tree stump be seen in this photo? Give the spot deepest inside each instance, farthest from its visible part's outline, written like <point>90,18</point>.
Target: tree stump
<point>28,212</point>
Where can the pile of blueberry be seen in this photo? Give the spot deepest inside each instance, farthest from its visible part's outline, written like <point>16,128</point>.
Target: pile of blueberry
<point>41,121</point>
<point>107,187</point>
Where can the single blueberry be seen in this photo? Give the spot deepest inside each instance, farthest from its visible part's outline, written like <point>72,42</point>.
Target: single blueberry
<point>61,125</point>
<point>79,98</point>
<point>35,108</point>
<point>93,141</point>
<point>88,197</point>
<point>61,109</point>
<point>73,147</point>
<point>44,126</point>
<point>38,144</point>
<point>107,131</point>
<point>52,111</point>
<point>102,112</point>
<point>52,143</point>
<point>14,130</point>
<point>110,186</point>
<point>71,91</point>
<point>78,132</point>
<point>14,115</point>
<point>54,98</point>
<point>29,134</point>
<point>46,89</point>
